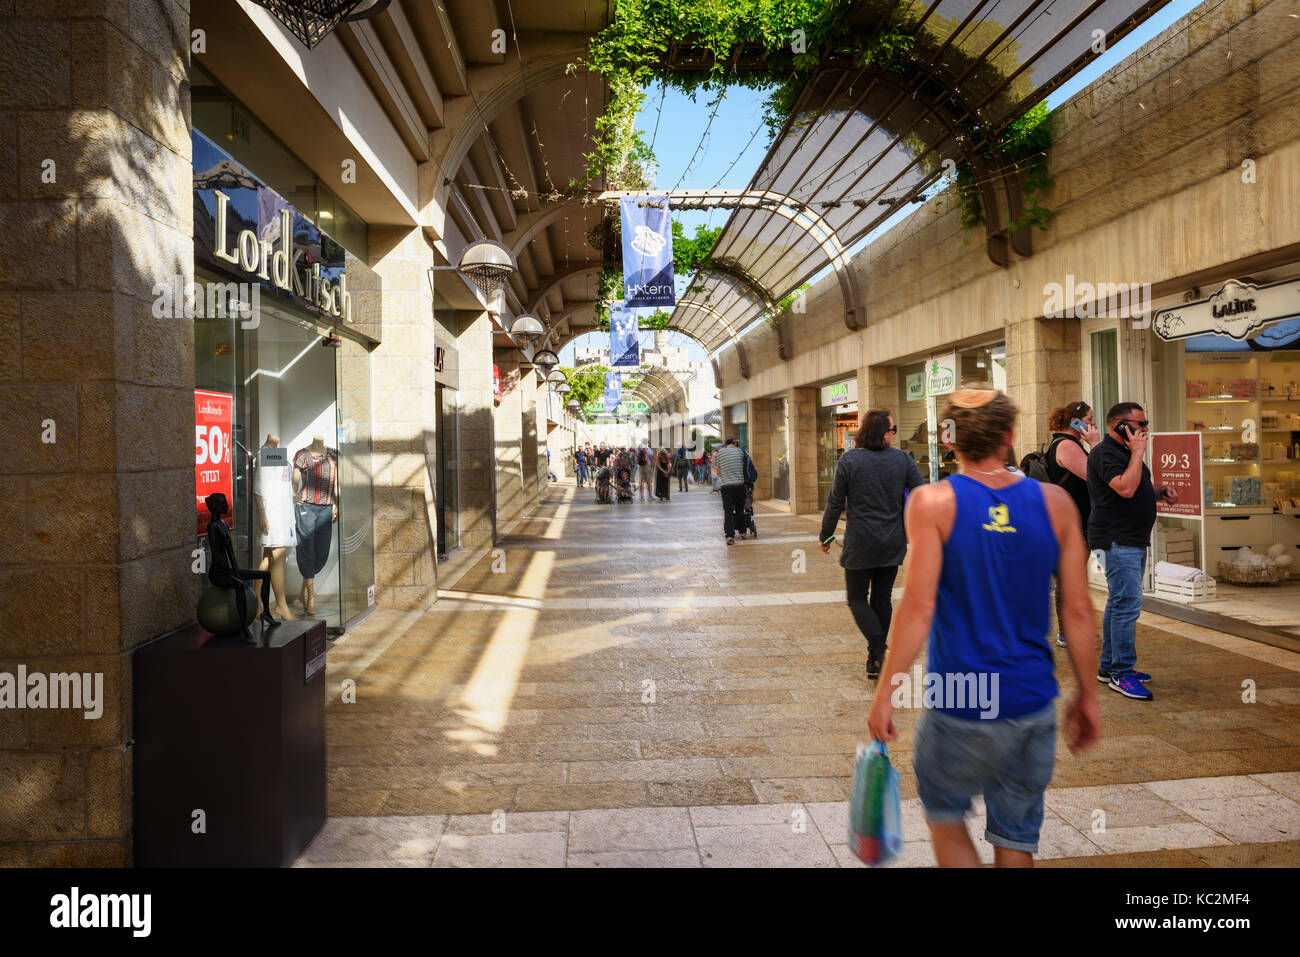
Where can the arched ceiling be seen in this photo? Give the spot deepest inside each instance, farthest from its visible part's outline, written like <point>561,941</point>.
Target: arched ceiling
<point>861,143</point>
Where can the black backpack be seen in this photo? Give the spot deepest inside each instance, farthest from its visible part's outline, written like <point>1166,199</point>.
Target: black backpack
<point>1035,466</point>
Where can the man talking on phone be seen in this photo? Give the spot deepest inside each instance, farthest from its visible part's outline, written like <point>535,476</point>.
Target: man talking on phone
<point>1123,513</point>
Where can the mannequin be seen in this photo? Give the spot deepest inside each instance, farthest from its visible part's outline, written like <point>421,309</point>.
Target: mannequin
<point>315,488</point>
<point>225,571</point>
<point>275,512</point>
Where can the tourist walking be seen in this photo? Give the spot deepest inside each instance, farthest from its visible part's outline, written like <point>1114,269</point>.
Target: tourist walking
<point>644,472</point>
<point>729,467</point>
<point>1123,514</point>
<point>580,463</point>
<point>702,467</point>
<point>984,545</point>
<point>872,480</point>
<point>1067,466</point>
<point>681,465</point>
<point>663,468</point>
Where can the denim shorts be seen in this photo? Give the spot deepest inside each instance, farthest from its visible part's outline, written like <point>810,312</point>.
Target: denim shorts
<point>1009,760</point>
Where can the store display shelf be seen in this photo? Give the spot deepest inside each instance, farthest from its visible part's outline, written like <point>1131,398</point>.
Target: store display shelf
<point>1281,462</point>
<point>1230,461</point>
<point>1224,398</point>
<point>1221,428</point>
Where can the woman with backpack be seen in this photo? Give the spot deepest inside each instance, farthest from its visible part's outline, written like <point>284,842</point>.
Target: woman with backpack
<point>1066,462</point>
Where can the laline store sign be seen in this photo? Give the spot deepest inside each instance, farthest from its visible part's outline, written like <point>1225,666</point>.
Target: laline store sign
<point>243,226</point>
<point>1240,310</point>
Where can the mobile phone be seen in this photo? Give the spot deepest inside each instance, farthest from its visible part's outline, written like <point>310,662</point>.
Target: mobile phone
<point>1124,429</point>
<point>1079,426</point>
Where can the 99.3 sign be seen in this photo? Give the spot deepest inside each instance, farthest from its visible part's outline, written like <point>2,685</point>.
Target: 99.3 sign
<point>213,427</point>
<point>1176,464</point>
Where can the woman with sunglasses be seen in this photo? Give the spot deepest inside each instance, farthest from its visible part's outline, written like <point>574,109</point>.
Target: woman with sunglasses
<point>872,480</point>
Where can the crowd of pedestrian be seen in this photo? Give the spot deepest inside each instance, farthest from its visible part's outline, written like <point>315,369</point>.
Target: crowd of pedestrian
<point>646,471</point>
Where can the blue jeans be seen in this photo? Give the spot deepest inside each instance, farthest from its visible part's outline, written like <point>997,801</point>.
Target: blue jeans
<point>1009,760</point>
<point>1124,567</point>
<point>582,473</point>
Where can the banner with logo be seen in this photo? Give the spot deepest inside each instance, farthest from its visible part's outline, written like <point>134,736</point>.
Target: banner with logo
<point>941,374</point>
<point>647,251</point>
<point>213,428</point>
<point>624,339</point>
<point>613,391</point>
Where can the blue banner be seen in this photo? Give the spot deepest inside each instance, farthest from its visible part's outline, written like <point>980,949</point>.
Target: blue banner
<point>624,339</point>
<point>613,391</point>
<point>647,251</point>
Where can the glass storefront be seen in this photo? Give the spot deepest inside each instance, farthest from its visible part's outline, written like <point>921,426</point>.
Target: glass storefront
<point>280,373</point>
<point>922,395</point>
<point>738,415</point>
<point>837,428</point>
<point>779,448</point>
<point>1241,399</point>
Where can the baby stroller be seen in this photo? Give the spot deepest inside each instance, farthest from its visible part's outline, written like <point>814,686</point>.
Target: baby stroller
<point>623,484</point>
<point>603,488</point>
<point>746,517</point>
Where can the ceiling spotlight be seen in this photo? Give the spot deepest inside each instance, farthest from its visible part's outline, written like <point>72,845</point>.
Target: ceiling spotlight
<point>487,264</point>
<point>527,329</point>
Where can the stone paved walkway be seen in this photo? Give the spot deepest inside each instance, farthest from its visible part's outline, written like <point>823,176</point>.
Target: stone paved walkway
<point>623,657</point>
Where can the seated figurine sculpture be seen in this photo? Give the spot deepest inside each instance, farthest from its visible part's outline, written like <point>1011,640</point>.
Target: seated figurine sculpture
<point>225,572</point>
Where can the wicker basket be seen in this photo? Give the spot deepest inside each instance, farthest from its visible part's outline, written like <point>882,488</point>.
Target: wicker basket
<point>1235,574</point>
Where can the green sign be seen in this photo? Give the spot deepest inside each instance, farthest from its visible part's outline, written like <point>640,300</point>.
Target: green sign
<point>627,407</point>
<point>941,374</point>
<point>915,386</point>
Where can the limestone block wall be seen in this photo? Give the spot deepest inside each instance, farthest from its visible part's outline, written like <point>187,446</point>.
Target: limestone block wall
<point>96,399</point>
<point>1149,187</point>
<point>508,443</point>
<point>476,475</point>
<point>404,413</point>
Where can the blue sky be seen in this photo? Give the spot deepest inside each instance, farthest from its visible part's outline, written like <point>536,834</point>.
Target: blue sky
<point>698,155</point>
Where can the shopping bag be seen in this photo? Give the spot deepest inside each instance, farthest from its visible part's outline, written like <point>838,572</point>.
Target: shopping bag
<point>875,823</point>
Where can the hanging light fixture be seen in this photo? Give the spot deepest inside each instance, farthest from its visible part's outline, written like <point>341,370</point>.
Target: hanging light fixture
<point>527,329</point>
<point>313,20</point>
<point>564,388</point>
<point>487,264</point>
<point>555,376</point>
<point>546,360</point>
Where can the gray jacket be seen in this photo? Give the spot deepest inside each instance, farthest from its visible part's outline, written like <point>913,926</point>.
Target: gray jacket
<point>872,485</point>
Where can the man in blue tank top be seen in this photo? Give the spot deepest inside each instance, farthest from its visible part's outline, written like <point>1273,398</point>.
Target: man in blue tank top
<point>984,547</point>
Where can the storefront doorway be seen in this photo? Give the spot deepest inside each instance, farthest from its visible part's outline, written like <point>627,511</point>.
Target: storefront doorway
<point>837,427</point>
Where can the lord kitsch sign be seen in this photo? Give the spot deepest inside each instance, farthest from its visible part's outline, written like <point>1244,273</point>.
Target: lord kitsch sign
<point>647,251</point>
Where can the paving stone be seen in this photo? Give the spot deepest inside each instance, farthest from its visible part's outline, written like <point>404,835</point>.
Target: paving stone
<point>443,800</point>
<point>692,793</point>
<point>511,849</point>
<point>633,829</point>
<point>778,790</point>
<point>579,796</point>
<point>375,839</point>
<point>673,858</point>
<point>762,845</point>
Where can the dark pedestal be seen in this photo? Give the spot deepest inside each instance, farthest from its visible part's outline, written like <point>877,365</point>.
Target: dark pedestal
<point>238,732</point>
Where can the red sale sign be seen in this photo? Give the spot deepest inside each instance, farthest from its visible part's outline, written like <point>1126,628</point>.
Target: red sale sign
<point>213,427</point>
<point>1176,464</point>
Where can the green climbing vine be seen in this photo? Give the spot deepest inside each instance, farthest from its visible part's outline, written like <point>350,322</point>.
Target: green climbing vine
<point>1023,146</point>
<point>775,46</point>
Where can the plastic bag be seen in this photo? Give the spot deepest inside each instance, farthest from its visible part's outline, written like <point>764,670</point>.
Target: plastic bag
<point>875,823</point>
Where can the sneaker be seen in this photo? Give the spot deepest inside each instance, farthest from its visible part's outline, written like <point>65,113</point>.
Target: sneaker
<point>873,667</point>
<point>1130,687</point>
<point>1142,676</point>
<point>731,540</point>
<point>1060,641</point>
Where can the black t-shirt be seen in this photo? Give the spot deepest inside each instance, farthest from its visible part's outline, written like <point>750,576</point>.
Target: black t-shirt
<point>602,457</point>
<point>1058,474</point>
<point>1123,521</point>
